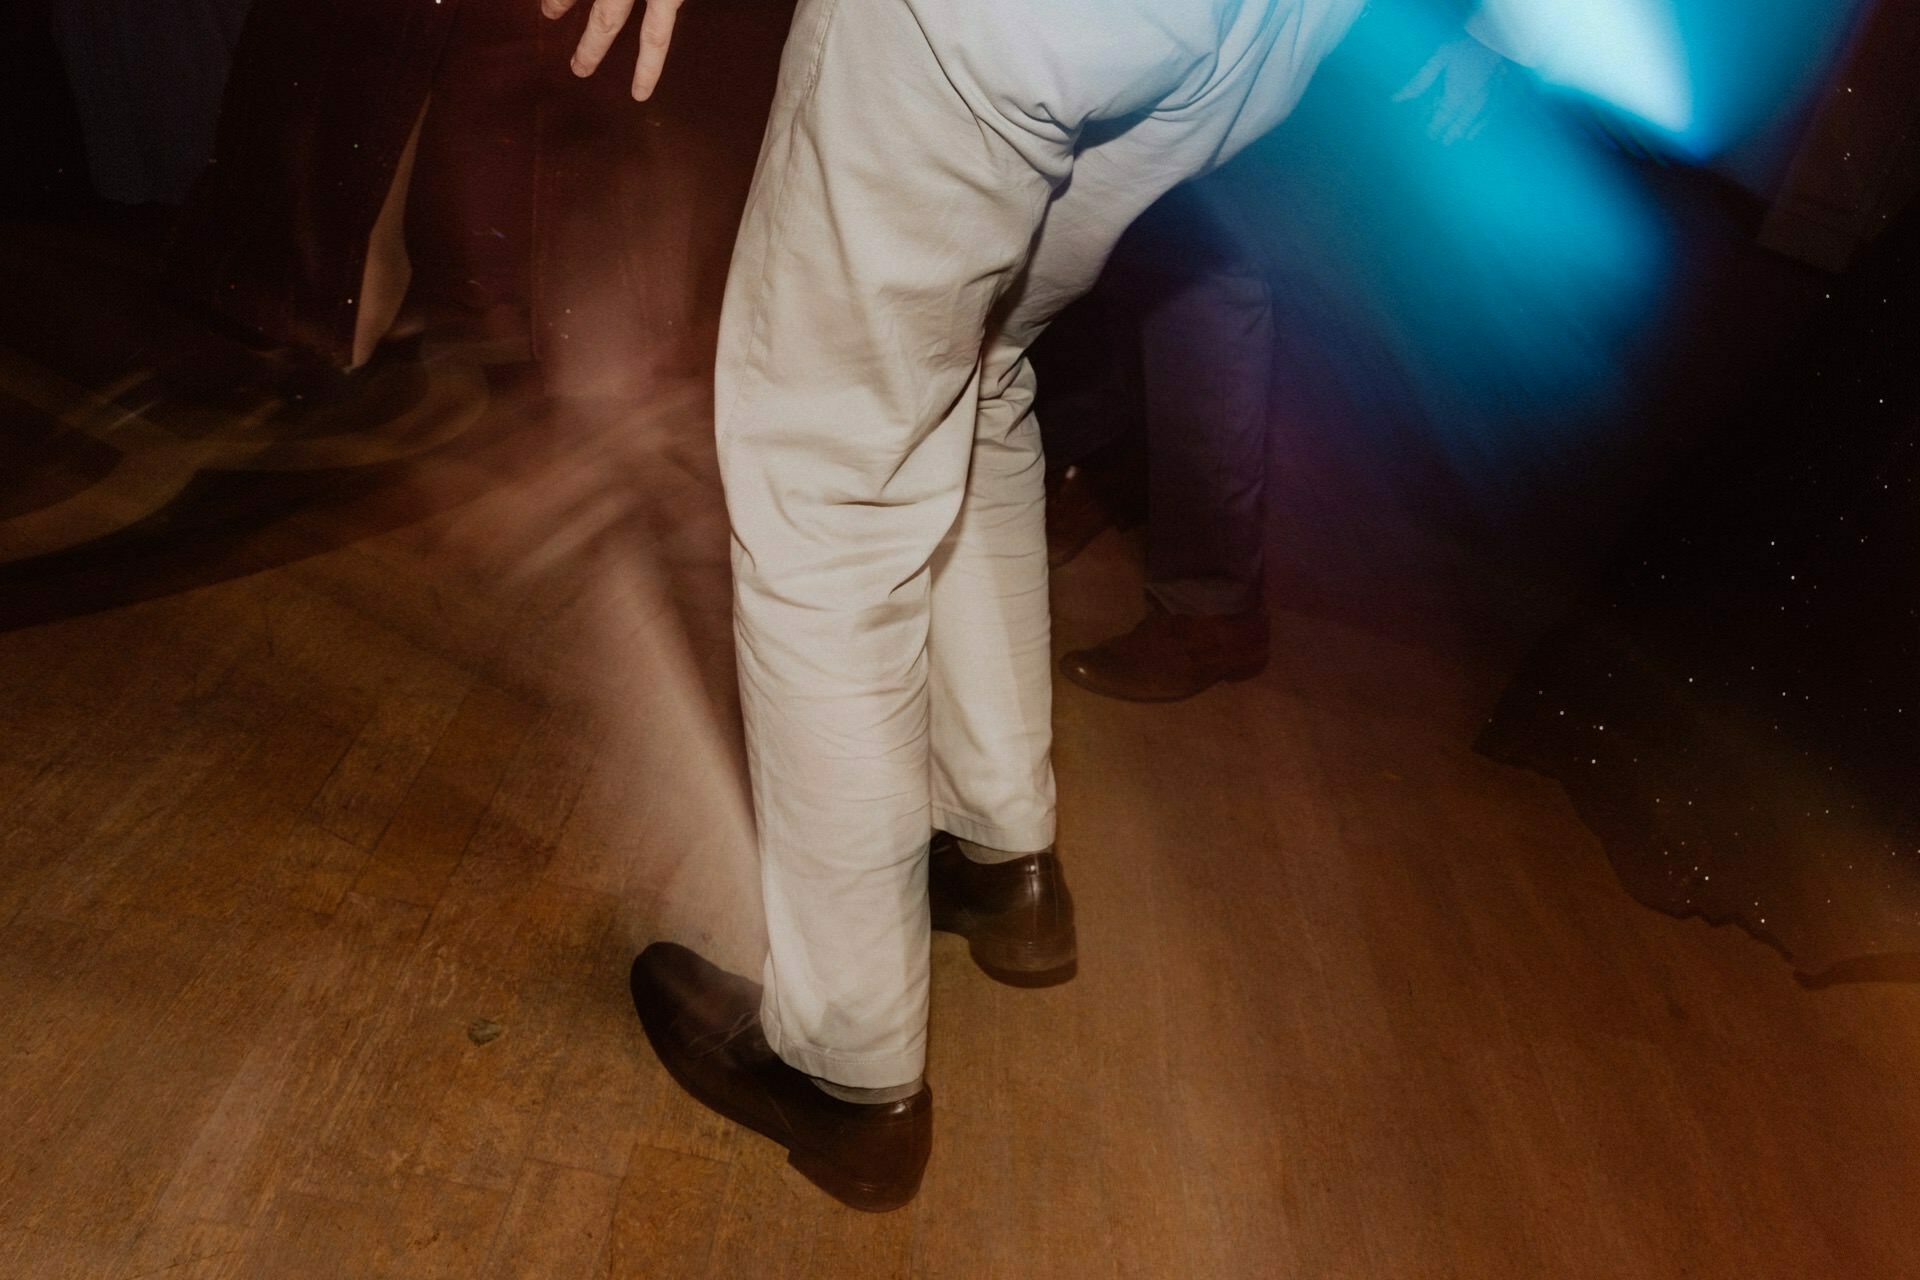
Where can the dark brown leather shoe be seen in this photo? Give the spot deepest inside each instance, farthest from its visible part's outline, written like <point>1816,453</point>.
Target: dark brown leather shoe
<point>705,1024</point>
<point>1017,917</point>
<point>1171,656</point>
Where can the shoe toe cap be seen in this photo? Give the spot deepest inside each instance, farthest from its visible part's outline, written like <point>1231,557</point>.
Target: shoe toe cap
<point>679,993</point>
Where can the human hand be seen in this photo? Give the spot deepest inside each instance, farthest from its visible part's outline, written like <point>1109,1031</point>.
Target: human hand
<point>604,21</point>
<point>1464,71</point>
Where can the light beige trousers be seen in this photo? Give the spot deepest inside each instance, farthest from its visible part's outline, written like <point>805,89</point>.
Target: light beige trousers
<point>938,179</point>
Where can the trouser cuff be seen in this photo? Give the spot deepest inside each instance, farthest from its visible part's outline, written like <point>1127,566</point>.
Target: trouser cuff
<point>1016,841</point>
<point>883,1070</point>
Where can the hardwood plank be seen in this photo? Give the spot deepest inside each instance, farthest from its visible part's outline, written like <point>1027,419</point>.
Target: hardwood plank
<point>538,790</point>
<point>56,1150</point>
<point>973,1146</point>
<point>76,851</point>
<point>593,1114</point>
<point>483,1123</point>
<point>44,1256</point>
<point>402,1060</point>
<point>502,915</point>
<point>188,1250</point>
<point>364,792</point>
<point>311,868</point>
<point>443,804</point>
<point>300,1071</point>
<point>666,1217</point>
<point>559,1224</point>
<point>306,1237</point>
<point>763,1190</point>
<point>436,1230</point>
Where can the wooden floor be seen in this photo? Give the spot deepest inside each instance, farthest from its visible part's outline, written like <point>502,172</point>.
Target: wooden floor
<point>320,883</point>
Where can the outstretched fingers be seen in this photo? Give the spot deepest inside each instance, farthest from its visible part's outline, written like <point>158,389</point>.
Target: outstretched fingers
<point>604,22</point>
<point>656,33</point>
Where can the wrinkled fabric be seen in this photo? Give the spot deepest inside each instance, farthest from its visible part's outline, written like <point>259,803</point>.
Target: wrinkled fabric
<point>938,179</point>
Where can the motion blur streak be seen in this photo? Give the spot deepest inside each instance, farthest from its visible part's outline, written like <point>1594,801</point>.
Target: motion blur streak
<point>607,547</point>
<point>1485,303</point>
<point>1490,296</point>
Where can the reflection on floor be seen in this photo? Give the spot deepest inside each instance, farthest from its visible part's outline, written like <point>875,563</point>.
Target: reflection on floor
<point>321,756</point>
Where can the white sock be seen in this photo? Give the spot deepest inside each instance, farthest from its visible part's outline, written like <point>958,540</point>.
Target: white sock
<point>987,854</point>
<point>869,1097</point>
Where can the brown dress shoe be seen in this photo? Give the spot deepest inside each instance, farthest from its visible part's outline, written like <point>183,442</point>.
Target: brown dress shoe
<point>1171,656</point>
<point>1017,917</point>
<point>705,1024</point>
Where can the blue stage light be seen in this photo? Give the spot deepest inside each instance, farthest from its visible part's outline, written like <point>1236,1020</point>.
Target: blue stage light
<point>1628,54</point>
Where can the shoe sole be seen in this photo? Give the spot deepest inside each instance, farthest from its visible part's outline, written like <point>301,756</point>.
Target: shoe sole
<point>1044,962</point>
<point>848,1191</point>
<point>1030,979</point>
<point>1239,676</point>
